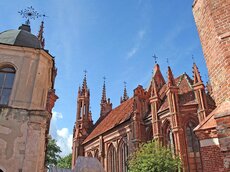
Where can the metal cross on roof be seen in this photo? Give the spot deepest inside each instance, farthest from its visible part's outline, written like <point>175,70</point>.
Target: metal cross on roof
<point>85,71</point>
<point>29,13</point>
<point>193,59</point>
<point>167,60</point>
<point>104,78</point>
<point>155,57</point>
<point>125,83</point>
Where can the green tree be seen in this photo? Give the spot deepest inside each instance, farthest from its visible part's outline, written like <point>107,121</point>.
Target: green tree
<point>65,162</point>
<point>52,153</point>
<point>152,157</point>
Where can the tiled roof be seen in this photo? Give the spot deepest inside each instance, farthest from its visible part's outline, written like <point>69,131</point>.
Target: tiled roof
<point>114,118</point>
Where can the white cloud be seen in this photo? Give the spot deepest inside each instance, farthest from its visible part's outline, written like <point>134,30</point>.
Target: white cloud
<point>132,52</point>
<point>63,132</point>
<point>141,34</point>
<point>135,48</point>
<point>62,136</point>
<point>56,116</point>
<point>64,141</point>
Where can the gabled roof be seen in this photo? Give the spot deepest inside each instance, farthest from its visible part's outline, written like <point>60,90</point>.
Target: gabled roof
<point>117,116</point>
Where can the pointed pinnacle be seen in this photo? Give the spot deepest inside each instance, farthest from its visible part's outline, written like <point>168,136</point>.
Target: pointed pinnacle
<point>197,77</point>
<point>40,35</point>
<point>154,88</point>
<point>125,95</point>
<point>171,81</point>
<point>103,98</point>
<point>84,84</point>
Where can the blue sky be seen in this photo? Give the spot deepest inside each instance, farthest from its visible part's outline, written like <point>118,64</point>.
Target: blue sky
<point>115,39</point>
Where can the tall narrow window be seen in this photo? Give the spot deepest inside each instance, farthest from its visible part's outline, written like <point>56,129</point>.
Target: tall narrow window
<point>170,139</point>
<point>111,159</point>
<point>6,83</point>
<point>123,154</point>
<point>192,141</point>
<point>193,148</point>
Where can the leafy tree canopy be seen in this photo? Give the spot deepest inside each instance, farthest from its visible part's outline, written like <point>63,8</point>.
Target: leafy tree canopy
<point>52,154</point>
<point>152,157</point>
<point>65,162</point>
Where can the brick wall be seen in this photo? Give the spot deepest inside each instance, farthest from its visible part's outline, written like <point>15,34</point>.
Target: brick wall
<point>213,158</point>
<point>212,18</point>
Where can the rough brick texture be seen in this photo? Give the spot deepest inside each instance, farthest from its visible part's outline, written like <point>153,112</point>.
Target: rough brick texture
<point>212,18</point>
<point>212,159</point>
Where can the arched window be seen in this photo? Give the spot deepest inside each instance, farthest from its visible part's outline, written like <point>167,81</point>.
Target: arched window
<point>6,83</point>
<point>193,148</point>
<point>1,170</point>
<point>192,141</point>
<point>123,155</point>
<point>111,159</point>
<point>168,137</point>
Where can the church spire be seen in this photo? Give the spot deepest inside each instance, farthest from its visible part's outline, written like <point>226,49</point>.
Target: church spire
<point>84,83</point>
<point>103,98</point>
<point>125,95</point>
<point>171,81</point>
<point>197,77</point>
<point>40,35</point>
<point>106,106</point>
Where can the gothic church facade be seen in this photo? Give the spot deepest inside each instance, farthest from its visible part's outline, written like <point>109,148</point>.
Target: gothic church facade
<point>189,118</point>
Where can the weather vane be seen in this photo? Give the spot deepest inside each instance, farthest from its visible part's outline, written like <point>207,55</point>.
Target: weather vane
<point>30,13</point>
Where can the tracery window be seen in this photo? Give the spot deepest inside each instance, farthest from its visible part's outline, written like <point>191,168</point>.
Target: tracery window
<point>111,159</point>
<point>192,141</point>
<point>193,148</point>
<point>6,83</point>
<point>123,155</point>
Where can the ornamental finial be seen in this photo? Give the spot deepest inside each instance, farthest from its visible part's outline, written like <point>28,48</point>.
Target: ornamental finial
<point>29,13</point>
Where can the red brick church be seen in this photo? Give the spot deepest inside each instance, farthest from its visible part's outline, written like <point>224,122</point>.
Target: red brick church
<point>194,122</point>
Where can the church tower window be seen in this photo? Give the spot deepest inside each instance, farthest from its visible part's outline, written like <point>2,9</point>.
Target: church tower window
<point>7,75</point>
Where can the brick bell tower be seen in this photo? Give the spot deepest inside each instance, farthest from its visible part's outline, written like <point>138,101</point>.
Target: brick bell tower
<point>83,122</point>
<point>213,24</point>
<point>212,19</point>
